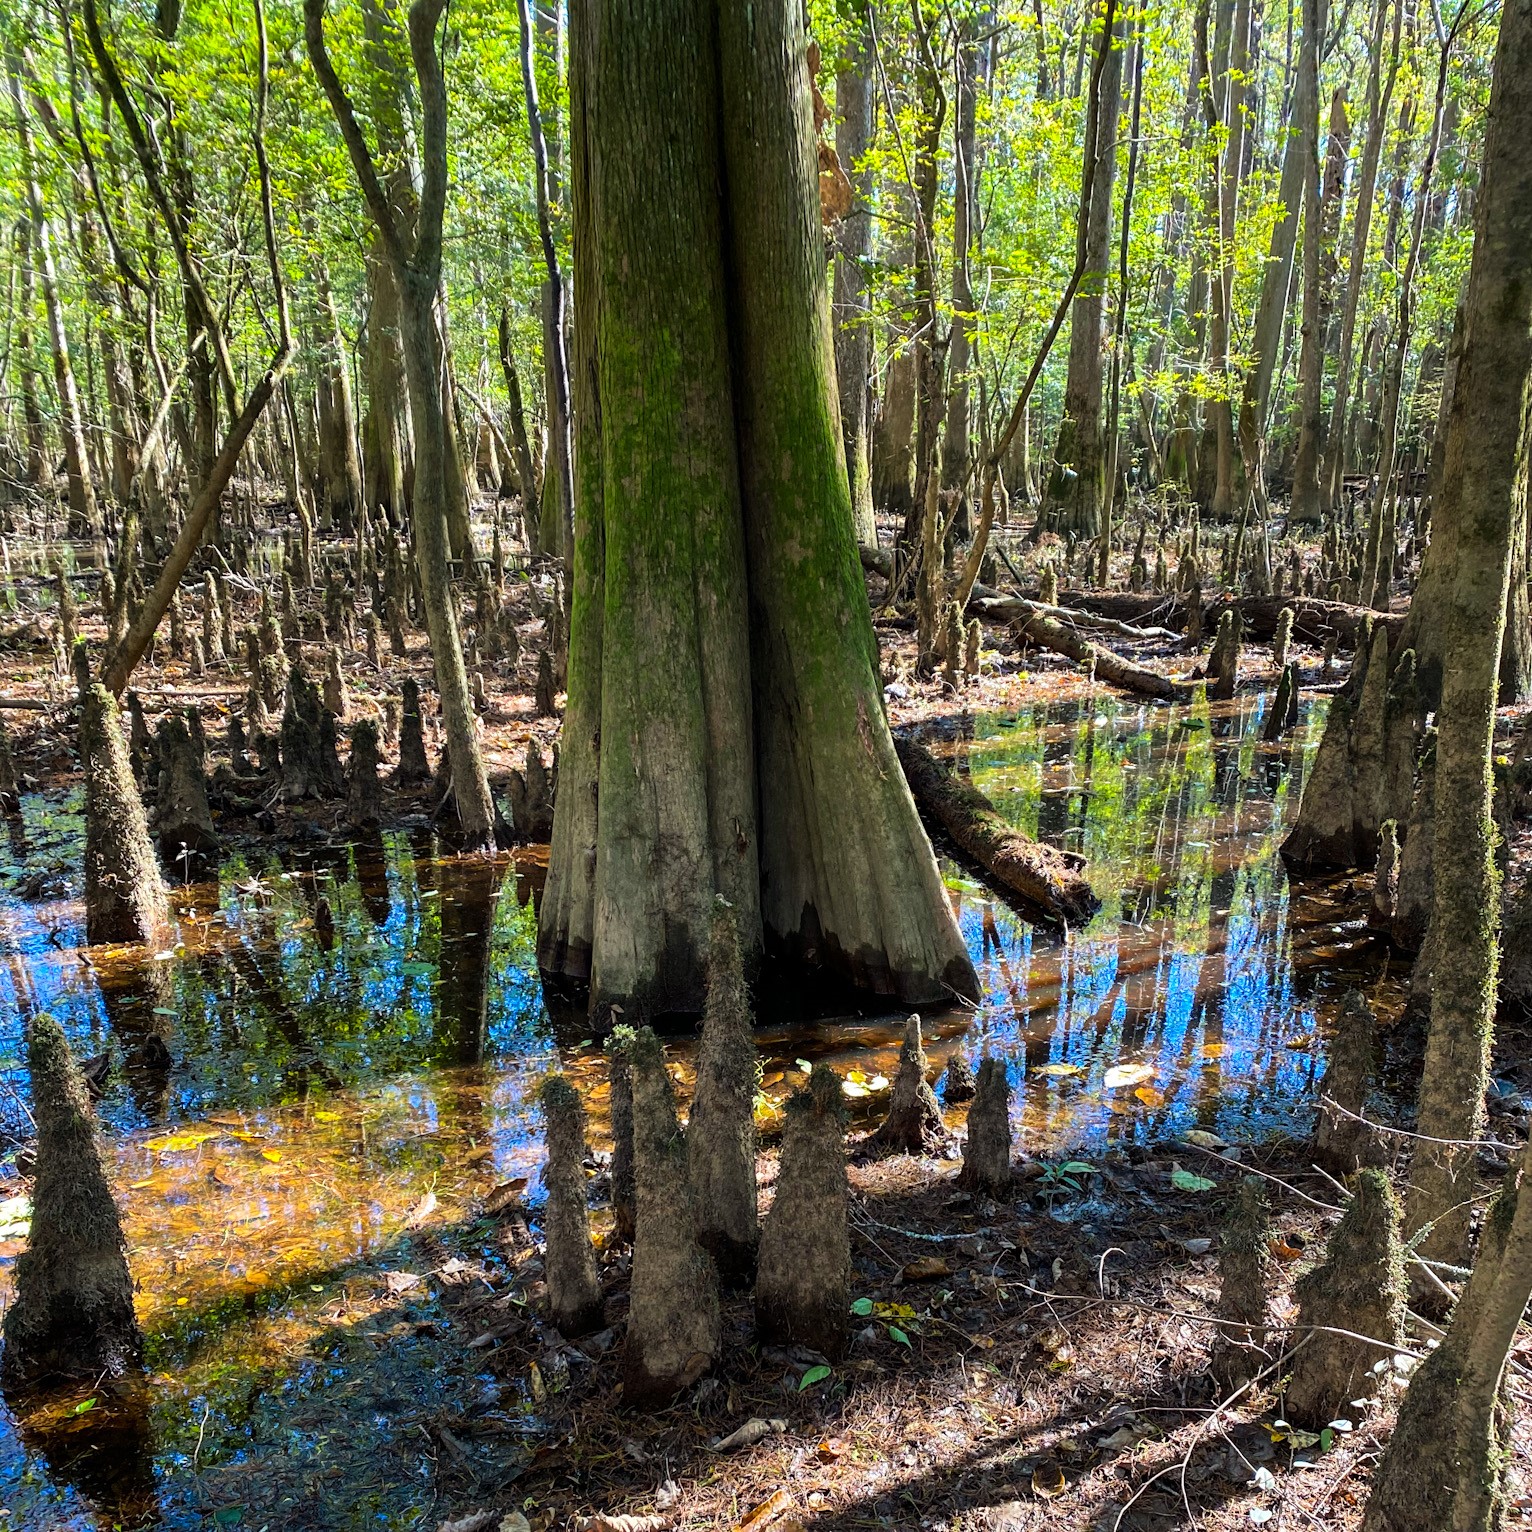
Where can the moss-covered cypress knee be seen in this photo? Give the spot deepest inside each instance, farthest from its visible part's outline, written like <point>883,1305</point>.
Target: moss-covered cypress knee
<point>1359,1288</point>
<point>574,1290</point>
<point>803,1282</point>
<point>619,1058</point>
<point>987,1149</point>
<point>1244,1270</point>
<point>72,1315</point>
<point>673,1325</point>
<point>1342,1143</point>
<point>720,1135</point>
<point>914,1122</point>
<point>124,897</point>
<point>1284,637</point>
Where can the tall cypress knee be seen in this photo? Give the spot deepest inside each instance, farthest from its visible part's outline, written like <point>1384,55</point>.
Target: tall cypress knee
<point>914,1122</point>
<point>1359,1288</point>
<point>803,1283</point>
<point>987,1152</point>
<point>124,897</point>
<point>619,1057</point>
<point>673,1326</point>
<point>72,1316</point>
<point>574,1291</point>
<point>720,1134</point>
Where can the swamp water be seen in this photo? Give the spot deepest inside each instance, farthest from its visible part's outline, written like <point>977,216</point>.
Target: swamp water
<point>315,1091</point>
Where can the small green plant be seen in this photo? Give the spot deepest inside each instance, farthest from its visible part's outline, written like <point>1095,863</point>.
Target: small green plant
<point>1066,1177</point>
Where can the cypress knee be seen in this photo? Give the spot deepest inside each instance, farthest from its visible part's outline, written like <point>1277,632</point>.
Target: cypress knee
<point>914,1122</point>
<point>673,1324</point>
<point>803,1281</point>
<point>1358,1288</point>
<point>987,1150</point>
<point>414,769</point>
<point>363,788</point>
<point>72,1314</point>
<point>1342,1144</point>
<point>1244,1271</point>
<point>720,1135</point>
<point>574,1290</point>
<point>183,823</point>
<point>10,794</point>
<point>957,1079</point>
<point>124,897</point>
<point>619,1058</point>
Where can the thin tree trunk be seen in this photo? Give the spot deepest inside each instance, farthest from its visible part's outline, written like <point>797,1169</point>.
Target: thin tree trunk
<point>84,516</point>
<point>1382,71</point>
<point>853,242</point>
<point>1077,484</point>
<point>553,317</point>
<point>416,267</point>
<point>1306,498</point>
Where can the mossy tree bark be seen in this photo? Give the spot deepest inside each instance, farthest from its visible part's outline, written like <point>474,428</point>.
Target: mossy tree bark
<point>415,262</point>
<point>1487,436</point>
<point>724,690</point>
<point>1444,1468</point>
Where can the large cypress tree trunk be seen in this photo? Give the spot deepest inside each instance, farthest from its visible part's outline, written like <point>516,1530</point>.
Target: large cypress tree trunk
<point>1487,439</point>
<point>848,877</point>
<point>747,758</point>
<point>659,678</point>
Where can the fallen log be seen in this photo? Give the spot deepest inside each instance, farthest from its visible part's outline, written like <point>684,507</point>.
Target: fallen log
<point>1032,622</point>
<point>1048,878</point>
<point>1313,620</point>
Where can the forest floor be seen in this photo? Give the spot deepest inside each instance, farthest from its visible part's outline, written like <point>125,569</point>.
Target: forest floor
<point>1038,1362</point>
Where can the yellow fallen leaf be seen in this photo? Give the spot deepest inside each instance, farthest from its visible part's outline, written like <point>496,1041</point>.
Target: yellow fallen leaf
<point>1057,1071</point>
<point>179,1143</point>
<point>1127,1074</point>
<point>271,1154</point>
<point>1150,1096</point>
<point>1214,1050</point>
<point>326,1116</point>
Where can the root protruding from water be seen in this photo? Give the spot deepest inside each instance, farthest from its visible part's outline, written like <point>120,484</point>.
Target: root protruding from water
<point>72,1315</point>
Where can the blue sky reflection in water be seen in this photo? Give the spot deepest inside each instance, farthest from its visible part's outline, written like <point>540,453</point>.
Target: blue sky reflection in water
<point>1194,998</point>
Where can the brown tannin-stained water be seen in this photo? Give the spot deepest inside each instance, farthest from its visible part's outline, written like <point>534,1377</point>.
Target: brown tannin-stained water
<point>310,1097</point>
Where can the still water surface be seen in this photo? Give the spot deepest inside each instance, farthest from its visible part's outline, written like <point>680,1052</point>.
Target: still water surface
<point>337,1063</point>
